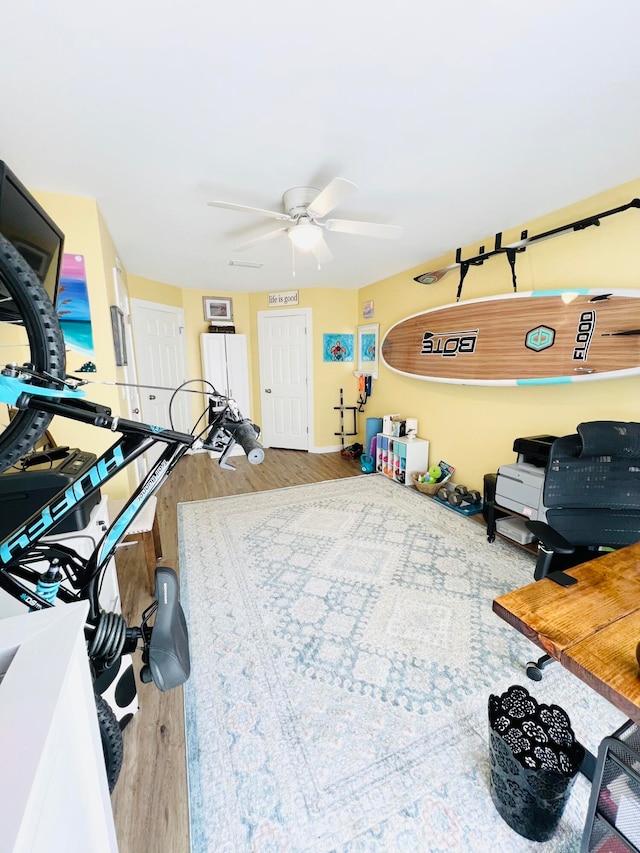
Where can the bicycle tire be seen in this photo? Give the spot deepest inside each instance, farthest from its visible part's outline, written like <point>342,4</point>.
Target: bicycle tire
<point>31,309</point>
<point>111,737</point>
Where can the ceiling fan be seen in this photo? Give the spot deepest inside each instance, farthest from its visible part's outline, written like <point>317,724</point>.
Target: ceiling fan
<point>304,209</point>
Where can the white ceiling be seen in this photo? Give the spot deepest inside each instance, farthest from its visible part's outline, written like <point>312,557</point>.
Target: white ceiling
<point>456,119</point>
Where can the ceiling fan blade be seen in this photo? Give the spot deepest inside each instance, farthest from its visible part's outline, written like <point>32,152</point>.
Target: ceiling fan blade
<point>263,237</point>
<point>336,191</point>
<point>364,229</point>
<point>273,214</point>
<point>322,253</point>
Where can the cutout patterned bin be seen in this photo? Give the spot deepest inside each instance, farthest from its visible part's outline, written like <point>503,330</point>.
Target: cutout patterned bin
<point>534,761</point>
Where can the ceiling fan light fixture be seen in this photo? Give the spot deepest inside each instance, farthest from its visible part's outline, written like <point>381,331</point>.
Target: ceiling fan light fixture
<point>305,235</point>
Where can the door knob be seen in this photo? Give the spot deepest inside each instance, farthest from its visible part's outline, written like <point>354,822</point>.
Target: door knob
<point>152,396</point>
<point>135,411</point>
<point>267,390</point>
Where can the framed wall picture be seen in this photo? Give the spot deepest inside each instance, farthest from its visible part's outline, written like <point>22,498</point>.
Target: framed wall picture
<point>368,349</point>
<point>72,306</point>
<point>337,347</point>
<point>119,339</point>
<point>218,308</point>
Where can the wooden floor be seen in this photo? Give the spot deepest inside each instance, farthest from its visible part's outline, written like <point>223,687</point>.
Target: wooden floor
<point>150,800</point>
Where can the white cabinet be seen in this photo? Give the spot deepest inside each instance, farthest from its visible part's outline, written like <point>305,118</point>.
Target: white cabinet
<point>225,365</point>
<point>399,458</point>
<point>53,787</point>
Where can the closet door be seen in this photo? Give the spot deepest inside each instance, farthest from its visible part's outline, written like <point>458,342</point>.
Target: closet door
<point>225,365</point>
<point>214,361</point>
<point>238,371</point>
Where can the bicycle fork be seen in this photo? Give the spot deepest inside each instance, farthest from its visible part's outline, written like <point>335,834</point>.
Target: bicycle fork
<point>49,583</point>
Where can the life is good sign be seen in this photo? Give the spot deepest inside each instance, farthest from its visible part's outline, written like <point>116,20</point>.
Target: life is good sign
<point>285,298</point>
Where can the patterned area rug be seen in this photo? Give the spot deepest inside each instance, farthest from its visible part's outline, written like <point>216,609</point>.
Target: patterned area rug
<point>344,649</point>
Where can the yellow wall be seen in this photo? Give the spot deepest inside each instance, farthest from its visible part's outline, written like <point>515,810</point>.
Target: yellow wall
<point>472,427</point>
<point>86,234</point>
<point>153,291</point>
<point>191,301</point>
<point>333,311</point>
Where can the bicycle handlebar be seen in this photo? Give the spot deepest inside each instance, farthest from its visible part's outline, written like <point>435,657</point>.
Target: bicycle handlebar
<point>246,433</point>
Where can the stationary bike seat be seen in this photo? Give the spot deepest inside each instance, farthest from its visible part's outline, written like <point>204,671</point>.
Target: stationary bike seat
<point>169,660</point>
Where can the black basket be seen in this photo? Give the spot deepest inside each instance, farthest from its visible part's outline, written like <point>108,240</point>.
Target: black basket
<point>354,451</point>
<point>534,761</point>
<point>613,820</point>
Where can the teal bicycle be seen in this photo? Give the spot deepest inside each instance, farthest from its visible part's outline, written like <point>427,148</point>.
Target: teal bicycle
<point>33,392</point>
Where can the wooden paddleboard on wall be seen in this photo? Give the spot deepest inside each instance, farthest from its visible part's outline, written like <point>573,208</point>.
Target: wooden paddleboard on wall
<point>535,338</point>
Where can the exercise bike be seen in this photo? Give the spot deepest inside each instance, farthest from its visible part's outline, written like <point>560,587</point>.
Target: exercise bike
<point>40,389</point>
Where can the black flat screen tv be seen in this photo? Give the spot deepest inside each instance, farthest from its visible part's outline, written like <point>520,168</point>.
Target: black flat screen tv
<point>31,230</point>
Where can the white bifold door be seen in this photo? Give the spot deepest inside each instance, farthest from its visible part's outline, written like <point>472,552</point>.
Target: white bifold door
<point>225,366</point>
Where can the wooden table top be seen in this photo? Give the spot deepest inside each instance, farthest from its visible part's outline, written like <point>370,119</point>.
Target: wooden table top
<point>592,628</point>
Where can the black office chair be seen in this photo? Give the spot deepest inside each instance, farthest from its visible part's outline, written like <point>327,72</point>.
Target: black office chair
<point>592,496</point>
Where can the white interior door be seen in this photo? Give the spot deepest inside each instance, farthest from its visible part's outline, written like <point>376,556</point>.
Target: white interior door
<point>284,367</point>
<point>158,332</point>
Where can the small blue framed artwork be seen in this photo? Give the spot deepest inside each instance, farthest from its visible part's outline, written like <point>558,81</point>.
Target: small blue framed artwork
<point>337,347</point>
<point>368,343</point>
<point>368,349</point>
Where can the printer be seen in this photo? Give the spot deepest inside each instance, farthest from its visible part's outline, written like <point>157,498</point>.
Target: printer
<point>519,486</point>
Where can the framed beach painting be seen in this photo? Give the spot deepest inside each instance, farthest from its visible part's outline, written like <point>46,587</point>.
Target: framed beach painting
<point>72,306</point>
<point>218,308</point>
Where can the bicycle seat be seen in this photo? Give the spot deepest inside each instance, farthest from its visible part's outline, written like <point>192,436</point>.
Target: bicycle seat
<point>169,660</point>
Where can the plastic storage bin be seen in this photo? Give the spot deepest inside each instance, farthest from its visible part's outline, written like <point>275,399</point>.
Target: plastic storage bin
<point>613,819</point>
